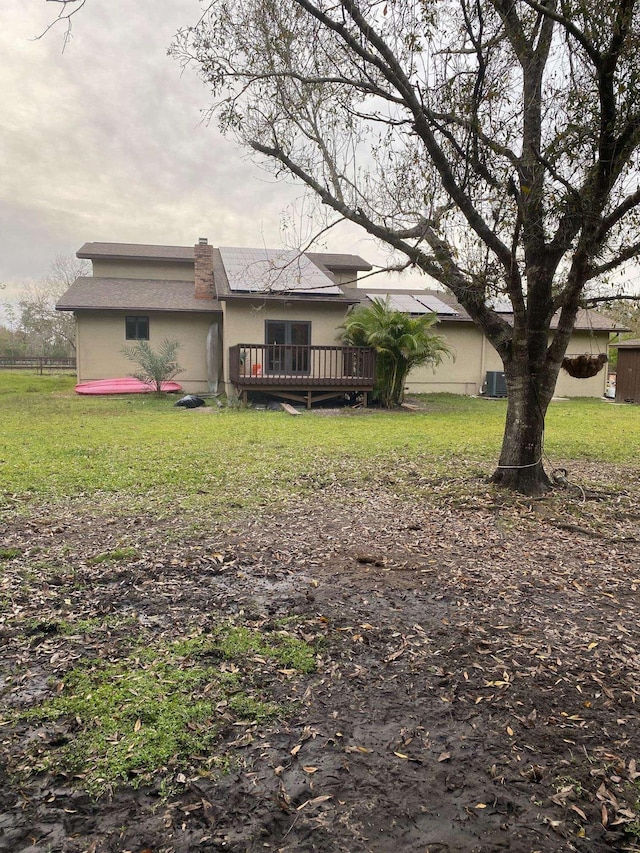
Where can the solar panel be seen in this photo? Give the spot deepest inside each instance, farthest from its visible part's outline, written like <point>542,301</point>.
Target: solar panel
<point>274,271</point>
<point>399,302</point>
<point>405,302</point>
<point>436,305</point>
<point>411,304</point>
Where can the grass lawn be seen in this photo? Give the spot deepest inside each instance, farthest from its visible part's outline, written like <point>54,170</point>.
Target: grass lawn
<point>240,630</point>
<point>55,444</point>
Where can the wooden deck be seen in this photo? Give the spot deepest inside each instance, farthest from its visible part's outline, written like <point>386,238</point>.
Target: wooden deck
<point>304,374</point>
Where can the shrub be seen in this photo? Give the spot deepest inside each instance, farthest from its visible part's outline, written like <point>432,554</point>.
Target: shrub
<point>156,366</point>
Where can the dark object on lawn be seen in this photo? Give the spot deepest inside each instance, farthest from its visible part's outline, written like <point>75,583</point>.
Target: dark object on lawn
<point>584,366</point>
<point>191,401</point>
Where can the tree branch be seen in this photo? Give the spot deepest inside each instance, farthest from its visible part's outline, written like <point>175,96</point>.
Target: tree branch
<point>61,16</point>
<point>569,26</point>
<point>592,301</point>
<point>625,255</point>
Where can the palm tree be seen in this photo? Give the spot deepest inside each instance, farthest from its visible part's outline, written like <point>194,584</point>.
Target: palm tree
<point>402,342</point>
<point>156,366</point>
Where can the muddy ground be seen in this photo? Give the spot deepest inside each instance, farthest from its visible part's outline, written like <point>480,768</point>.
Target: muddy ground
<point>477,687</point>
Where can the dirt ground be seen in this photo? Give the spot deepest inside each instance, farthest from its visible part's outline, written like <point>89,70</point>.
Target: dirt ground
<point>477,684</point>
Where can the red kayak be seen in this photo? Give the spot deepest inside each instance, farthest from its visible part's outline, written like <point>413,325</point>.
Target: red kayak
<point>125,385</point>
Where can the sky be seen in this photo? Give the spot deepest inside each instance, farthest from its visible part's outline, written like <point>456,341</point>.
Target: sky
<point>106,142</point>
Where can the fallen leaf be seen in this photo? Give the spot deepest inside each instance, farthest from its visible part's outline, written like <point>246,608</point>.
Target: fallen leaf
<point>315,801</point>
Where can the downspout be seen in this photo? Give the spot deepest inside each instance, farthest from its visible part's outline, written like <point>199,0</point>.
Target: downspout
<point>214,357</point>
<point>482,361</point>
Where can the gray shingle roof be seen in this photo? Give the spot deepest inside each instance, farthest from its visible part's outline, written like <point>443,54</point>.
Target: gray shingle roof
<point>133,294</point>
<point>586,319</point>
<point>184,254</point>
<point>339,262</point>
<point>154,295</point>
<point>136,251</point>
<point>629,344</point>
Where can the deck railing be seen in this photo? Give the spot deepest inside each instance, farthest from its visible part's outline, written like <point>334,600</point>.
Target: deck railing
<point>292,365</point>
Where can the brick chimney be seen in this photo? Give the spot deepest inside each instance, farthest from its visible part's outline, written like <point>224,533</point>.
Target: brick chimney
<point>203,257</point>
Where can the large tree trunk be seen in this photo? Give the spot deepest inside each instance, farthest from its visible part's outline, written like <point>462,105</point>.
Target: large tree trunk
<point>520,467</point>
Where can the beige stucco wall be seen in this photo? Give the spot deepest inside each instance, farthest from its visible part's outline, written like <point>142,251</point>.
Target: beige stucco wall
<point>101,337</point>
<point>244,322</point>
<point>347,277</point>
<point>464,371</point>
<point>143,269</point>
<point>474,356</point>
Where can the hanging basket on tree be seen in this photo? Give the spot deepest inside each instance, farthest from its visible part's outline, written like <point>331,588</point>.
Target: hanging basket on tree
<point>584,366</point>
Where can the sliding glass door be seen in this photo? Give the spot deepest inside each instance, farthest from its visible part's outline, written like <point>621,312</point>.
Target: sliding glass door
<point>288,344</point>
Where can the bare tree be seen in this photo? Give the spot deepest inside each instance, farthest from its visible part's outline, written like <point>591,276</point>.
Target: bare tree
<point>43,330</point>
<point>493,143</point>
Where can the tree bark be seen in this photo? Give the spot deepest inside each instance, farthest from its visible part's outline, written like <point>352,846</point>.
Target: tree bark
<point>520,467</point>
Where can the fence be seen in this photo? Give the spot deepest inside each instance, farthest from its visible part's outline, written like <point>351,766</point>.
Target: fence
<point>40,363</point>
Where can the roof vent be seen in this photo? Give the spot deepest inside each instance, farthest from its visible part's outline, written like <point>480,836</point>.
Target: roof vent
<point>203,241</point>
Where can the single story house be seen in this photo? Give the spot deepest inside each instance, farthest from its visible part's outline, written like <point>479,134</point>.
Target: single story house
<point>476,367</point>
<point>264,320</point>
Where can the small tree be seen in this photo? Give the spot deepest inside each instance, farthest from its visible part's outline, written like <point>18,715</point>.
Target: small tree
<point>40,329</point>
<point>156,366</point>
<point>401,341</point>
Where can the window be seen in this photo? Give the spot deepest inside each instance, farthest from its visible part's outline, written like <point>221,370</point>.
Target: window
<point>288,346</point>
<point>137,328</point>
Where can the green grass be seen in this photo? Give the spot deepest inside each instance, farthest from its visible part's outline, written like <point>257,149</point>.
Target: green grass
<point>116,556</point>
<point>161,708</point>
<point>57,445</point>
<point>24,382</point>
<point>239,643</point>
<point>9,553</point>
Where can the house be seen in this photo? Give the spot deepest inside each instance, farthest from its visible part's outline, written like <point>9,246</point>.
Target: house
<point>248,320</point>
<point>260,320</point>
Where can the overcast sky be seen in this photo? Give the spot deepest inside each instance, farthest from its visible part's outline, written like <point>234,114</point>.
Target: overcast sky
<point>105,142</point>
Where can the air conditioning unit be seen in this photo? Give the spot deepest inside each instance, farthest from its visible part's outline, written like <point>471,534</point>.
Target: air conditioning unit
<point>494,384</point>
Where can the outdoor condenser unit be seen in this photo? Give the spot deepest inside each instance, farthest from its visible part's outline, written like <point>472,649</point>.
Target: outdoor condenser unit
<point>494,384</point>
